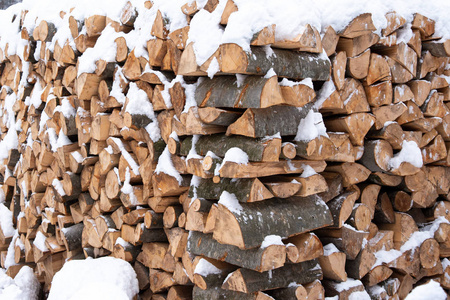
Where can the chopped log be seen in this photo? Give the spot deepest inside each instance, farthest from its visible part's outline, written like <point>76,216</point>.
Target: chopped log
<point>304,65</point>
<point>297,94</point>
<point>403,228</point>
<point>341,207</point>
<point>217,116</point>
<point>377,275</point>
<point>261,169</point>
<point>258,259</point>
<point>227,91</point>
<point>357,45</point>
<point>339,64</point>
<point>386,114</point>
<point>245,190</point>
<point>248,281</point>
<point>333,264</point>
<point>220,294</point>
<point>360,25</point>
<point>330,40</point>
<point>269,121</point>
<point>358,66</point>
<point>219,144</point>
<point>235,227</point>
<point>347,239</point>
<point>352,173</point>
<point>357,125</point>
<point>377,154</point>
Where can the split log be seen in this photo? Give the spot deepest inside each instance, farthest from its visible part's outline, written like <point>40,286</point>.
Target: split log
<point>356,125</point>
<point>219,144</point>
<point>258,259</point>
<point>227,91</point>
<point>269,121</point>
<point>248,281</point>
<point>220,294</point>
<point>307,247</point>
<point>333,263</point>
<point>245,190</point>
<point>235,227</point>
<point>306,65</point>
<point>261,169</point>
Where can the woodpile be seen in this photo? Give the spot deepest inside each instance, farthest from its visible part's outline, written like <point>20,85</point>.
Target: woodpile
<point>296,175</point>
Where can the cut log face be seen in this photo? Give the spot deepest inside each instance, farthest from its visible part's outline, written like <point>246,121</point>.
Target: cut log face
<point>235,227</point>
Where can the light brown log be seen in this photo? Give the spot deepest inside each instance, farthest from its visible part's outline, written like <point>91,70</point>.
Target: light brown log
<point>357,125</point>
<point>360,25</point>
<point>333,266</point>
<point>358,66</point>
<point>352,173</point>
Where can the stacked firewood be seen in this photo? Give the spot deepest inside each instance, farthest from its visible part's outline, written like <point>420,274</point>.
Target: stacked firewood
<point>303,168</point>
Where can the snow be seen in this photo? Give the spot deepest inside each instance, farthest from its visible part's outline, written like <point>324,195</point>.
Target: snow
<point>430,290</point>
<point>205,268</point>
<point>39,242</point>
<point>6,221</point>
<point>236,155</point>
<point>410,153</point>
<point>165,165</point>
<point>231,202</point>
<point>270,73</point>
<point>102,278</point>
<point>213,68</point>
<point>416,239</point>
<point>329,249</point>
<point>307,81</point>
<point>350,283</point>
<point>307,171</point>
<point>362,295</point>
<point>240,78</point>
<point>192,152</point>
<point>105,48</point>
<point>270,240</point>
<point>77,156</point>
<point>311,127</point>
<point>58,187</point>
<point>24,285</point>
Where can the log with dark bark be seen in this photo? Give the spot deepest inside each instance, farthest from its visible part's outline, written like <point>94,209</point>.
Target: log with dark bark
<point>219,144</point>
<point>258,259</point>
<point>248,226</point>
<point>226,91</point>
<point>248,281</point>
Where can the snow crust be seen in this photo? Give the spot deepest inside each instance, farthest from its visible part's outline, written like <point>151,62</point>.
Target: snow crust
<point>430,290</point>
<point>329,249</point>
<point>107,277</point>
<point>205,268</point>
<point>410,153</point>
<point>270,240</point>
<point>311,127</point>
<point>24,285</point>
<point>231,202</point>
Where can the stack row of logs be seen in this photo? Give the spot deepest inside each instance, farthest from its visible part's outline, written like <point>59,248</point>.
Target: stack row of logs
<point>289,175</point>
